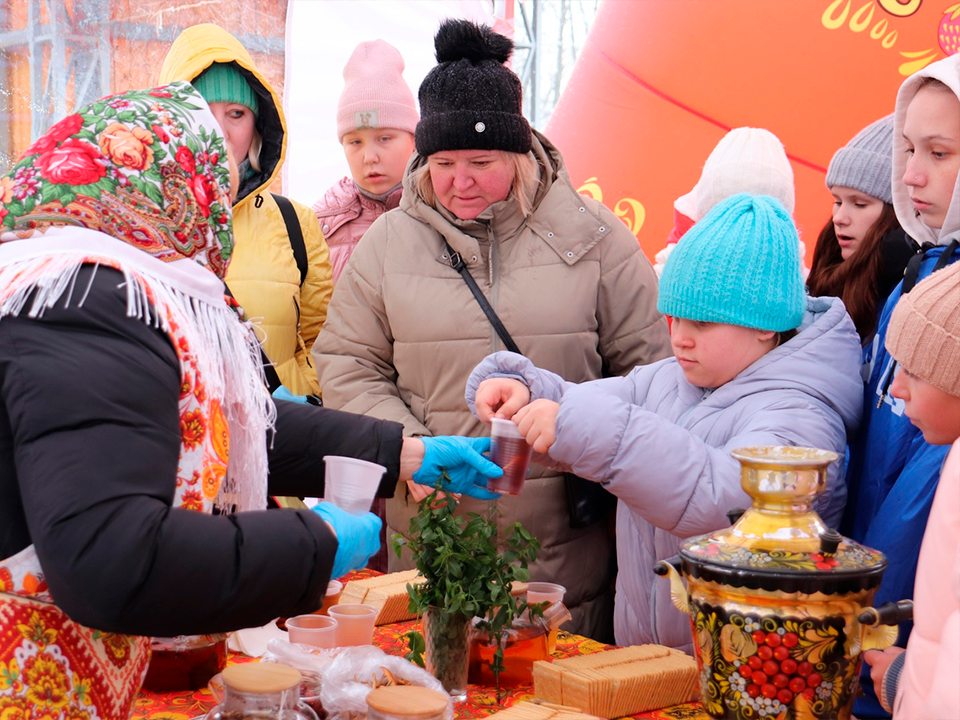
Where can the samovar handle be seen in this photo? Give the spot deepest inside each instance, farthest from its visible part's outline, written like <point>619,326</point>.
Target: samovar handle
<point>880,624</point>
<point>670,568</point>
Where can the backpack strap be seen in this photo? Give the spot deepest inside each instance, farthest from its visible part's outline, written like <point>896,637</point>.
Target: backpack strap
<point>295,233</point>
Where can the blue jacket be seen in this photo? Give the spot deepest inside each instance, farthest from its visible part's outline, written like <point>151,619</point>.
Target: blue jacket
<point>662,446</point>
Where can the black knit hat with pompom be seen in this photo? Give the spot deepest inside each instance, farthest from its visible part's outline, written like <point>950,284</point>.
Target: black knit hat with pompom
<point>471,101</point>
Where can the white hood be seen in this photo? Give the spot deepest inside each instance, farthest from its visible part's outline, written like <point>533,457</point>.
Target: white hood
<point>948,72</point>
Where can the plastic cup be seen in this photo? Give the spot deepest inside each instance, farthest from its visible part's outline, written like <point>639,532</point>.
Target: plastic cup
<point>510,451</point>
<point>544,592</point>
<point>351,484</point>
<point>317,630</point>
<point>332,597</point>
<point>355,623</point>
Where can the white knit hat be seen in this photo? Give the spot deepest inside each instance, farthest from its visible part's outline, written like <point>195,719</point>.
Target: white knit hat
<point>750,160</point>
<point>375,94</point>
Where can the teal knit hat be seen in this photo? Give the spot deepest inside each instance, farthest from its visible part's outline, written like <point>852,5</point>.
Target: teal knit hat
<point>222,82</point>
<point>739,265</point>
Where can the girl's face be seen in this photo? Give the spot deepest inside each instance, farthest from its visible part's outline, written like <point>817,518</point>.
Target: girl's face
<point>935,412</point>
<point>377,157</point>
<point>932,131</point>
<point>237,122</point>
<point>467,182</point>
<point>854,214</point>
<point>713,354</point>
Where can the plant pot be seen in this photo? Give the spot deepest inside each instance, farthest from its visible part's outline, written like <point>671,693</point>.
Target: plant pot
<point>447,639</point>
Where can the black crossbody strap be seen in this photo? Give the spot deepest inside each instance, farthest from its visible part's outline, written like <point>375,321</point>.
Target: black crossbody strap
<point>456,262</point>
<point>269,371</point>
<point>294,233</point>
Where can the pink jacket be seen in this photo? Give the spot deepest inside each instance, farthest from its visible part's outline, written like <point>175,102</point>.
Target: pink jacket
<point>929,686</point>
<point>345,214</point>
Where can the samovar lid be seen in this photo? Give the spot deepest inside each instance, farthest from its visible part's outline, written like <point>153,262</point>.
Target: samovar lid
<point>780,543</point>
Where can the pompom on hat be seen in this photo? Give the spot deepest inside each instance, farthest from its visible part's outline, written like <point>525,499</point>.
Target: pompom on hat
<point>924,331</point>
<point>739,265</point>
<point>746,160</point>
<point>223,82</point>
<point>471,100</point>
<point>375,95</point>
<point>866,162</point>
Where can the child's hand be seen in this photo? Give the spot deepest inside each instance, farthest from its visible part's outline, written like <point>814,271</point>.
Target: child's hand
<point>501,398</point>
<point>879,661</point>
<point>537,422</point>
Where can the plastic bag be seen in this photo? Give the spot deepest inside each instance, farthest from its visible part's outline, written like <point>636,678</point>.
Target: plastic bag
<point>348,678</point>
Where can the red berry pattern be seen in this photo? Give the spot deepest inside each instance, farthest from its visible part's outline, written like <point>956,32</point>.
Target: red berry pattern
<point>770,674</point>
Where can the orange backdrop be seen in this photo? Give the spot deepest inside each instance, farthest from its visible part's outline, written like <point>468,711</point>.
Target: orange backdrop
<point>659,82</point>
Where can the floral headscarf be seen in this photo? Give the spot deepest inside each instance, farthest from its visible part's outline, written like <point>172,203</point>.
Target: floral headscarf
<point>148,167</point>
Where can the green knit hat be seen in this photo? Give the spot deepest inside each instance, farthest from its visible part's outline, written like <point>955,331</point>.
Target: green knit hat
<point>739,265</point>
<point>222,82</point>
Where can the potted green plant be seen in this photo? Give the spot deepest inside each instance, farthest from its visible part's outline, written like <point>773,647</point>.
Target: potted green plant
<point>464,576</point>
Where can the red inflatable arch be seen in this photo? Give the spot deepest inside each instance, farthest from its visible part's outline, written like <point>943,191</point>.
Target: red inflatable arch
<point>659,82</point>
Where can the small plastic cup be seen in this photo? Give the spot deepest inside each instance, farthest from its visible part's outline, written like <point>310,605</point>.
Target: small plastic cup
<point>355,623</point>
<point>351,484</point>
<point>332,597</point>
<point>544,592</point>
<point>316,630</point>
<point>510,451</point>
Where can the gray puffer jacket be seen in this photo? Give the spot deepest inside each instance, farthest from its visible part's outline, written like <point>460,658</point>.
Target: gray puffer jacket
<point>662,446</point>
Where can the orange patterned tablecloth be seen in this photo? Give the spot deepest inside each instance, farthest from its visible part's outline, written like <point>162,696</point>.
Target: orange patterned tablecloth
<point>481,700</point>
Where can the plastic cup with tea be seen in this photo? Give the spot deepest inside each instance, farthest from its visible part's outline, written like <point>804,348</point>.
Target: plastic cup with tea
<point>355,623</point>
<point>351,484</point>
<point>316,630</point>
<point>332,597</point>
<point>510,451</point>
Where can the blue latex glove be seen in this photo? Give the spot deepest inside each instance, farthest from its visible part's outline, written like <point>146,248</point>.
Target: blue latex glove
<point>358,537</point>
<point>281,393</point>
<point>461,458</point>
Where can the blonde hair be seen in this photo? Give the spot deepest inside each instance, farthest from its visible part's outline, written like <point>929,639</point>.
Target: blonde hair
<point>526,177</point>
<point>256,145</point>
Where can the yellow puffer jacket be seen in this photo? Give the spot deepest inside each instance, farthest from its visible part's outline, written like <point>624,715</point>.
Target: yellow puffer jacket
<point>263,274</point>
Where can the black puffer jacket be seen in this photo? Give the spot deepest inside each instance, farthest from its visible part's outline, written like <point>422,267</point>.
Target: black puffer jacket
<point>89,446</point>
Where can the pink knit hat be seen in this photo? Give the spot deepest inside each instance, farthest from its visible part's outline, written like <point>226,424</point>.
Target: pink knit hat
<point>375,94</point>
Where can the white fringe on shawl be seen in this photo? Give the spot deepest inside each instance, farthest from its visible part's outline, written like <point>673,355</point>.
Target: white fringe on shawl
<point>225,349</point>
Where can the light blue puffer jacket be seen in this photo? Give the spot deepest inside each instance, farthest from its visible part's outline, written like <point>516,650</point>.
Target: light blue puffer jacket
<point>662,446</point>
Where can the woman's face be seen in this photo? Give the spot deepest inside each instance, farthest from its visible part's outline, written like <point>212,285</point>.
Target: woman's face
<point>467,182</point>
<point>931,129</point>
<point>854,214</point>
<point>237,122</point>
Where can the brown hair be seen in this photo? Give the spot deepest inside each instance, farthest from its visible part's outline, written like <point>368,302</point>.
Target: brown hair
<point>856,280</point>
<point>526,177</point>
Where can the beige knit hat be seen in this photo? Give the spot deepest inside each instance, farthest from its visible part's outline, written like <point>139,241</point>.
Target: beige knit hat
<point>924,331</point>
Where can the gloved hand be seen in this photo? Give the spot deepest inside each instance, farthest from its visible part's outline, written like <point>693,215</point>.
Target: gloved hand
<point>461,458</point>
<point>358,537</point>
<point>281,393</point>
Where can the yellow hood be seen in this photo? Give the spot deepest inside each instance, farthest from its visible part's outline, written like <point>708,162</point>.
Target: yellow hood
<point>196,49</point>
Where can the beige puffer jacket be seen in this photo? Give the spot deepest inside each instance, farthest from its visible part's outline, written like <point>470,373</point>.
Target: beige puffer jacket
<point>403,332</point>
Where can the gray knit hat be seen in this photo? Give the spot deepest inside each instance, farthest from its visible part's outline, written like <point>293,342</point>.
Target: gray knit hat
<point>865,163</point>
<point>471,100</point>
<point>924,330</point>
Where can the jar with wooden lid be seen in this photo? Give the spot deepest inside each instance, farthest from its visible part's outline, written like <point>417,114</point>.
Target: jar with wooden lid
<point>406,702</point>
<point>255,691</point>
